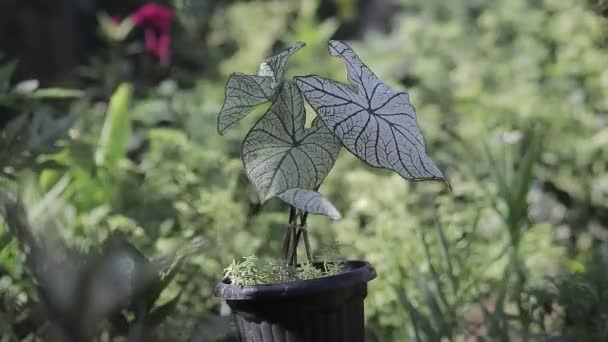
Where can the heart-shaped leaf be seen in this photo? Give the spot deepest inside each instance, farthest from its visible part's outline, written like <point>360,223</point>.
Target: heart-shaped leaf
<point>310,202</point>
<point>374,122</point>
<point>244,92</point>
<point>279,153</point>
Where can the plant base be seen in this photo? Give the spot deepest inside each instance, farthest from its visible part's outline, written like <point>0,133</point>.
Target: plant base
<point>328,309</point>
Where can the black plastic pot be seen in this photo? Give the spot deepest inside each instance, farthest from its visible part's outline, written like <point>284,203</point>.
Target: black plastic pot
<point>328,309</point>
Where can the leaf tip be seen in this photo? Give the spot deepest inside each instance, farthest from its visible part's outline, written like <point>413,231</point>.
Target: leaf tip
<point>221,129</point>
<point>298,45</point>
<point>448,185</point>
<point>334,215</point>
<point>337,47</point>
<point>264,196</point>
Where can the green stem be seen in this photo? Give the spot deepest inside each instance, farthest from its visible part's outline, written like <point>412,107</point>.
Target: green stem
<point>292,214</point>
<point>306,238</point>
<point>289,238</point>
<point>303,220</point>
<point>294,252</point>
<point>287,242</point>
<point>499,324</point>
<point>307,245</point>
<point>293,235</point>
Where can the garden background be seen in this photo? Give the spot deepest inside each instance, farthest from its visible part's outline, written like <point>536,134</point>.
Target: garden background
<point>109,149</point>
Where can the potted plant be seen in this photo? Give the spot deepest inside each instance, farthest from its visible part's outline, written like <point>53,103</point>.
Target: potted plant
<point>314,301</point>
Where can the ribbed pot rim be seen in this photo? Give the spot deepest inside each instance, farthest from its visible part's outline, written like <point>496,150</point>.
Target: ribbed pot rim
<point>358,272</point>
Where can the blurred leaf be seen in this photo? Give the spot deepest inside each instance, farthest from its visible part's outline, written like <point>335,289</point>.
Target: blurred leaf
<point>525,175</point>
<point>5,239</point>
<point>29,135</point>
<point>433,305</point>
<point>11,139</point>
<point>56,93</point>
<point>159,314</point>
<point>420,323</point>
<point>6,71</point>
<point>26,87</point>
<point>158,285</point>
<point>234,26</point>
<point>114,30</point>
<point>116,130</point>
<point>44,130</point>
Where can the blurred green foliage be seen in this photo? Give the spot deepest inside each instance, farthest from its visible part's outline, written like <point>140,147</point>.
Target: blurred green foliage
<point>512,96</point>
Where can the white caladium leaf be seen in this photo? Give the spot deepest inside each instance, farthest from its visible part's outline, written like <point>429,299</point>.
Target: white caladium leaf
<point>279,153</point>
<point>310,202</point>
<point>374,122</point>
<point>274,66</point>
<point>244,92</point>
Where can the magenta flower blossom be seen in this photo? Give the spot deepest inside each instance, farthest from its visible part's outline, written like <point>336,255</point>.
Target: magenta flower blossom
<point>154,16</point>
<point>156,21</point>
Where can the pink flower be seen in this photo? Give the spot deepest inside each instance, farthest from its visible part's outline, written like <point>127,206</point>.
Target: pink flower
<point>156,21</point>
<point>154,16</point>
<point>158,45</point>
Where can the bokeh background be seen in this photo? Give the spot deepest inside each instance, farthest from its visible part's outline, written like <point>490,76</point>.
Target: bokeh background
<point>122,205</point>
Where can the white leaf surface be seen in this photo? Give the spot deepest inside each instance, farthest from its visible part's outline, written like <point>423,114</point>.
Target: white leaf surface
<point>279,153</point>
<point>373,121</point>
<point>244,92</point>
<point>274,66</point>
<point>310,202</point>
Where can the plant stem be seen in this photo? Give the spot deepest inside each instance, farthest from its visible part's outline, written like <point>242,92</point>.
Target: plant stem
<point>306,238</point>
<point>292,238</point>
<point>499,324</point>
<point>296,234</point>
<point>292,214</point>
<point>287,242</point>
<point>288,239</point>
<point>303,220</point>
<point>307,245</point>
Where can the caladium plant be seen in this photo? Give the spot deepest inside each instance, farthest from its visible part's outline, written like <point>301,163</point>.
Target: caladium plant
<point>285,159</point>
